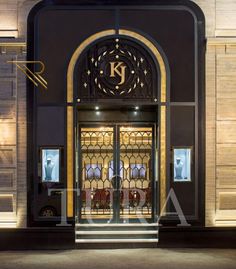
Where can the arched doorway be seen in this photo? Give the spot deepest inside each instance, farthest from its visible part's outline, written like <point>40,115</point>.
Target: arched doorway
<point>118,100</point>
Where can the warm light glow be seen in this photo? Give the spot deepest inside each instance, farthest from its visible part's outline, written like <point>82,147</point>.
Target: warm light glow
<point>8,34</point>
<point>225,223</point>
<point>4,134</point>
<point>7,224</point>
<point>96,107</point>
<point>7,133</point>
<point>8,22</point>
<point>8,219</point>
<point>104,129</point>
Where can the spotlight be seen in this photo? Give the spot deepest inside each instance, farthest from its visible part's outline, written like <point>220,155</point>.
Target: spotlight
<point>137,108</point>
<point>96,107</point>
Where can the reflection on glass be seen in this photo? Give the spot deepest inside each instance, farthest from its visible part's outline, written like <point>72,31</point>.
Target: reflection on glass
<point>182,164</point>
<point>138,171</point>
<point>50,165</point>
<point>111,170</point>
<point>93,171</point>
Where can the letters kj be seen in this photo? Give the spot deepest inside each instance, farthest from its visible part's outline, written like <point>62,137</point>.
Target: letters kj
<point>118,68</point>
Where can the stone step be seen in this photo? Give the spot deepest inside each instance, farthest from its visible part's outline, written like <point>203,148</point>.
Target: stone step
<point>117,240</point>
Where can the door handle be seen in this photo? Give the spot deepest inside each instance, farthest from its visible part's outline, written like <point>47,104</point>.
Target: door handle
<point>115,181</point>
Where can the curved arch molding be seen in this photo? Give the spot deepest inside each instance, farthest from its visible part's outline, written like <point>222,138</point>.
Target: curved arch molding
<point>70,110</point>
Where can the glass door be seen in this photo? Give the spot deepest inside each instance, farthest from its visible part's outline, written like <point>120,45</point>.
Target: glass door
<point>116,171</point>
<point>96,150</point>
<point>136,172</point>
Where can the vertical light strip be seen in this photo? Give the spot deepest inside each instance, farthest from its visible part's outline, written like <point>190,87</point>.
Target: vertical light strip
<point>163,157</point>
<point>70,161</point>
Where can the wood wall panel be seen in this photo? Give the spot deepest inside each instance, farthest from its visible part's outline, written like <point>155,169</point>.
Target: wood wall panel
<point>226,135</point>
<point>210,135</point>
<point>226,132</point>
<point>226,176</point>
<point>227,201</point>
<point>7,133</point>
<point>8,19</point>
<point>226,154</point>
<point>6,203</point>
<point>226,109</point>
<point>7,88</point>
<point>231,49</point>
<point>7,111</point>
<point>7,156</point>
<point>225,14</point>
<point>7,69</point>
<point>7,179</point>
<point>226,65</point>
<point>226,87</point>
<point>225,33</point>
<point>21,148</point>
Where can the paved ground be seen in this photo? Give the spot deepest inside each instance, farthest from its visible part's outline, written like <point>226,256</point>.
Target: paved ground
<point>122,259</point>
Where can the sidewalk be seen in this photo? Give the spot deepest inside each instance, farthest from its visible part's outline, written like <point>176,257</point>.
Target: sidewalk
<point>121,259</point>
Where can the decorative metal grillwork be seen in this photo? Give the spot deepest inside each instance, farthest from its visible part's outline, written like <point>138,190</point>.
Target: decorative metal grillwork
<point>98,172</point>
<point>136,154</point>
<point>117,68</point>
<point>97,152</point>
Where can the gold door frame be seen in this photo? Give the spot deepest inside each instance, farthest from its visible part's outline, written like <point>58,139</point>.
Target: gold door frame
<point>70,110</point>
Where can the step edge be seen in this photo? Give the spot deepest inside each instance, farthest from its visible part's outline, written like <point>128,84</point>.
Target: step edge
<point>116,241</point>
<point>114,232</point>
<point>118,225</point>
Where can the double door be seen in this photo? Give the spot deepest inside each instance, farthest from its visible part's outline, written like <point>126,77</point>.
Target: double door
<point>116,172</point>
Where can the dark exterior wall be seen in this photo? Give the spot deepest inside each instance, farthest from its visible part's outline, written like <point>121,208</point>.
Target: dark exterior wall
<point>55,31</point>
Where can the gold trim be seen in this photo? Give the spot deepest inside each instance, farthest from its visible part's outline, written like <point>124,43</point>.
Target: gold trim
<point>156,53</point>
<point>70,130</point>
<point>70,163</point>
<point>75,57</point>
<point>163,157</point>
<point>7,44</point>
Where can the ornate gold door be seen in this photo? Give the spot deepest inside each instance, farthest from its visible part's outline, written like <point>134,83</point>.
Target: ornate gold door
<point>116,170</point>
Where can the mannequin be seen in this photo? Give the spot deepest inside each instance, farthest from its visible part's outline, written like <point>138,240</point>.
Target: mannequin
<point>178,168</point>
<point>48,169</point>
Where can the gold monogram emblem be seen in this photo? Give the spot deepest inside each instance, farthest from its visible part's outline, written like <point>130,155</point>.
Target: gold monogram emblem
<point>118,68</point>
<point>35,77</point>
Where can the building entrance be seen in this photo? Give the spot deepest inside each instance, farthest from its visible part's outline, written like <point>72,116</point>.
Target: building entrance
<point>117,174</point>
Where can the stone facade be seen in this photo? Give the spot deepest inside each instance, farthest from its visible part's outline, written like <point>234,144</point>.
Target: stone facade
<point>220,112</point>
<point>12,135</point>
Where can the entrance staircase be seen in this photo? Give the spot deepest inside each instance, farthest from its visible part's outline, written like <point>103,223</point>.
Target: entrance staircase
<point>131,233</point>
